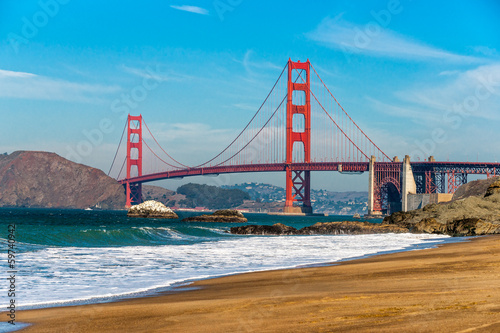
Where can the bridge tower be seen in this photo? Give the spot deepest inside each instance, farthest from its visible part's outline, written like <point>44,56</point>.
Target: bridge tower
<point>134,159</point>
<point>298,111</point>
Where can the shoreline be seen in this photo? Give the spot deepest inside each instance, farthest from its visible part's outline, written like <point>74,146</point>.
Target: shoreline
<point>350,295</point>
<point>186,284</point>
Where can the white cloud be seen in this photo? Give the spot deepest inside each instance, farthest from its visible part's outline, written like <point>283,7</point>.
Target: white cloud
<point>5,73</point>
<point>373,39</point>
<point>191,9</point>
<point>23,85</point>
<point>471,93</point>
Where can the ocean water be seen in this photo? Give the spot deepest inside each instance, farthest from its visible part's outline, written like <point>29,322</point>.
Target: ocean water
<point>76,257</point>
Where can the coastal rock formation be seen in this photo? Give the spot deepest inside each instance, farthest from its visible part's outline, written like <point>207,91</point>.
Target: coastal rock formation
<point>320,228</point>
<point>223,215</point>
<point>493,188</point>
<point>42,179</point>
<point>275,229</point>
<point>350,228</point>
<point>476,188</point>
<point>152,209</point>
<point>475,212</point>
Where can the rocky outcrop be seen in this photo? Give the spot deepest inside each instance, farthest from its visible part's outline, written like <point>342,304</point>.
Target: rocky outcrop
<point>320,228</point>
<point>493,188</point>
<point>152,209</point>
<point>472,215</point>
<point>275,229</point>
<point>476,188</point>
<point>223,215</point>
<point>350,228</point>
<point>42,179</point>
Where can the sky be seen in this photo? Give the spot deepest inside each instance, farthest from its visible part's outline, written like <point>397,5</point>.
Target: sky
<point>419,77</point>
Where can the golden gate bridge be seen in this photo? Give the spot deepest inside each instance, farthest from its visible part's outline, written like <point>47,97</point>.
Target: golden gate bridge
<point>299,127</point>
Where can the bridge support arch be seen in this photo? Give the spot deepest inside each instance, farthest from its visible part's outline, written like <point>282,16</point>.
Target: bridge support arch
<point>133,191</point>
<point>298,183</point>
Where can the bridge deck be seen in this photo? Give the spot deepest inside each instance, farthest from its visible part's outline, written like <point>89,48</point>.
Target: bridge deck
<point>464,167</point>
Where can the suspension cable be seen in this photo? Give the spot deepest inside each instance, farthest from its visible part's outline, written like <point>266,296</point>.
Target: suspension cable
<point>255,115</point>
<point>173,159</point>
<point>348,114</point>
<point>117,149</point>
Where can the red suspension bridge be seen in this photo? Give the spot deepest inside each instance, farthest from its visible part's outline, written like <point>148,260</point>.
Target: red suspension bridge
<point>300,127</point>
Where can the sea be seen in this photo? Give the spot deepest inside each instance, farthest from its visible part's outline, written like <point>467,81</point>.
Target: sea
<point>70,257</point>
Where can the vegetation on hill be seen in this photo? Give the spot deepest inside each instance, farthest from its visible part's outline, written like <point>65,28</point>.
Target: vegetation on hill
<point>212,197</point>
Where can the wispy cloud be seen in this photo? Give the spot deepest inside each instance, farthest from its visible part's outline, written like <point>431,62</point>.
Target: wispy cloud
<point>11,74</point>
<point>191,9</point>
<point>23,85</point>
<point>476,92</point>
<point>339,34</point>
<point>473,93</point>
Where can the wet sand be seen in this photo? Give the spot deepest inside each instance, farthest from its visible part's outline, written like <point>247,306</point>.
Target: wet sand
<point>453,288</point>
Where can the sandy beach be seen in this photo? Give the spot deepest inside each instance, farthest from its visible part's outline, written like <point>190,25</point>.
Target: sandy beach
<point>452,288</point>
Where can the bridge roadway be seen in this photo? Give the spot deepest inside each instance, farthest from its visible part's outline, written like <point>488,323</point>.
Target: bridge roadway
<point>459,167</point>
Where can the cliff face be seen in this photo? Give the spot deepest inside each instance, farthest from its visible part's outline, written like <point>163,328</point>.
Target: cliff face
<point>41,179</point>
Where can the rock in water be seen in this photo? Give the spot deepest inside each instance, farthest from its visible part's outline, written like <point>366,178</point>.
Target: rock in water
<point>152,209</point>
<point>223,215</point>
<point>326,228</point>
<point>275,229</point>
<point>350,228</point>
<point>228,212</point>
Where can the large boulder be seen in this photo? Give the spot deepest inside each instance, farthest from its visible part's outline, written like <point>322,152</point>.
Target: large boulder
<point>223,215</point>
<point>152,209</point>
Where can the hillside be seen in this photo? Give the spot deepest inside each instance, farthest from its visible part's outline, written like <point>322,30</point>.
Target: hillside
<point>211,197</point>
<point>269,197</point>
<point>42,179</point>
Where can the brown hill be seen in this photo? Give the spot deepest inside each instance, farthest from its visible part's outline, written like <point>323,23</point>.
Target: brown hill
<point>42,179</point>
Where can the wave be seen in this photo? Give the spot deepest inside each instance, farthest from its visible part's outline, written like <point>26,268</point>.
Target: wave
<point>120,236</point>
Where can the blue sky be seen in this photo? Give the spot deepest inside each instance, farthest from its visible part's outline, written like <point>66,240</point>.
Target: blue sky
<point>420,77</point>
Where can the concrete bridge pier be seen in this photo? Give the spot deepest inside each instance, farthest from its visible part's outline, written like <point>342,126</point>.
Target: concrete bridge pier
<point>371,187</point>
<point>408,185</point>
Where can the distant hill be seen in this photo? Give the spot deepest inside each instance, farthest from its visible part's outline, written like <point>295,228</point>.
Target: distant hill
<point>211,197</point>
<point>46,180</point>
<point>42,179</point>
<point>323,201</point>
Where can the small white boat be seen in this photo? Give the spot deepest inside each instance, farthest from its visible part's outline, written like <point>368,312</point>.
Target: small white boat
<point>88,208</point>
